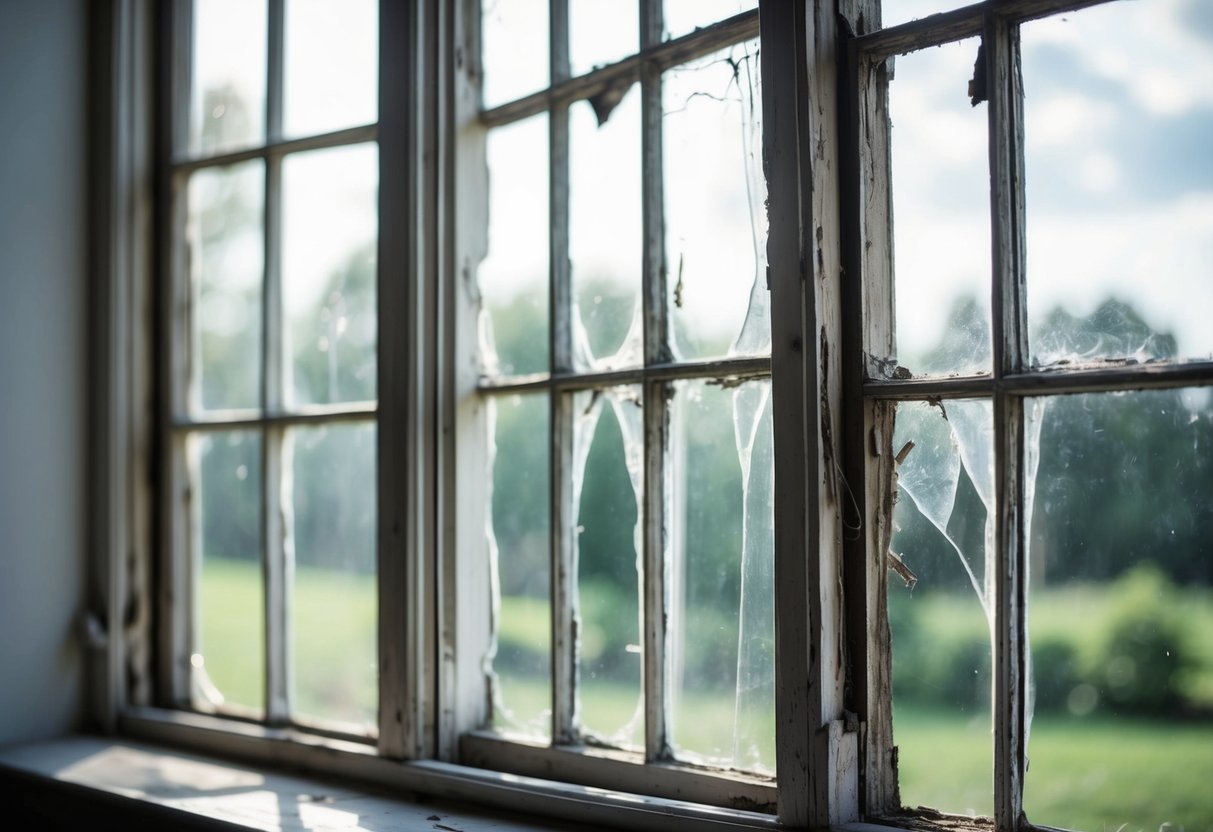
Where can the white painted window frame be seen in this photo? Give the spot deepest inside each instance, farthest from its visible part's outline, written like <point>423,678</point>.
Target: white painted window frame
<point>873,389</point>
<point>834,740</point>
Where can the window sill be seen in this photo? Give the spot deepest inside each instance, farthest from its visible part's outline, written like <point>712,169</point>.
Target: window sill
<point>118,783</point>
<point>173,776</point>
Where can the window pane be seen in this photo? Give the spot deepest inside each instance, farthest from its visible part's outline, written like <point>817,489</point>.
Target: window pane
<point>1121,611</point>
<point>605,234</point>
<point>514,276</point>
<point>716,225</point>
<point>227,97</point>
<point>602,32</point>
<point>684,16</point>
<point>229,650</point>
<point>329,216</point>
<point>941,210</point>
<point>331,77</point>
<point>722,621</point>
<point>608,450</point>
<point>1119,177</point>
<point>514,48</point>
<point>520,550</point>
<point>226,265</point>
<point>329,488</point>
<point>941,606</point>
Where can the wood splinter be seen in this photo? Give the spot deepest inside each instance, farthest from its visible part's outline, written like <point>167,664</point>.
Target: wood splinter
<point>899,566</point>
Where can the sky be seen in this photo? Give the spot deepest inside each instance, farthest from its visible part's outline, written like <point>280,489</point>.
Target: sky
<point>1119,123</point>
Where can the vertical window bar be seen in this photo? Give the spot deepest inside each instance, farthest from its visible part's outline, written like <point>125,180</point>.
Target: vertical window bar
<point>656,412</point>
<point>565,727</point>
<point>793,377</point>
<point>399,690</point>
<point>1010,351</point>
<point>177,622</point>
<point>275,548</point>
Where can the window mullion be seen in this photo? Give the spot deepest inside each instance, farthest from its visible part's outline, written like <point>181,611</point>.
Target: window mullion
<point>275,542</point>
<point>656,421</point>
<point>177,620</point>
<point>565,726</point>
<point>1010,354</point>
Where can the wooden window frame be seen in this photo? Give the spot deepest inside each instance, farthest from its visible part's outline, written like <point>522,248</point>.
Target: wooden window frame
<point>874,388</point>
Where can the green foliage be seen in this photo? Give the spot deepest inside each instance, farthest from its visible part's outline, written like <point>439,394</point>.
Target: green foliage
<point>1137,645</point>
<point>1146,647</point>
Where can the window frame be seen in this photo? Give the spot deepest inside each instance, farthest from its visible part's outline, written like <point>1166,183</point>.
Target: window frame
<point>826,160</point>
<point>654,770</point>
<point>874,388</point>
<point>422,271</point>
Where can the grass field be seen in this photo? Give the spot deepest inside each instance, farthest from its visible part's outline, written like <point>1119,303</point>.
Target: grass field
<point>1096,773</point>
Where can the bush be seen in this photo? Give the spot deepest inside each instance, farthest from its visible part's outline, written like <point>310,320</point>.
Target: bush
<point>1146,649</point>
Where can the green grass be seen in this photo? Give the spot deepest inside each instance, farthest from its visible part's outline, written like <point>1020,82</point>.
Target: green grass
<point>335,643</point>
<point>1096,773</point>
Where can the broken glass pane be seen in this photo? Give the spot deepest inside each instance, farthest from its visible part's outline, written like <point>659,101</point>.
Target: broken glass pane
<point>1120,612</point>
<point>331,75</point>
<point>514,49</point>
<point>602,32</point>
<point>1119,179</point>
<point>608,490</point>
<point>716,222</point>
<point>329,497</point>
<point>329,217</point>
<point>721,621</point>
<point>685,16</point>
<point>940,600</point>
<point>513,277</point>
<point>227,259</point>
<point>605,234</point>
<point>941,210</point>
<point>227,96</point>
<point>519,541</point>
<point>228,662</point>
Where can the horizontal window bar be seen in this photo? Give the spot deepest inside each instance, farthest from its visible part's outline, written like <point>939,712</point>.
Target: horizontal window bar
<point>697,44</point>
<point>725,369</point>
<point>946,27</point>
<point>1053,381</point>
<point>338,138</point>
<point>541,797</point>
<point>625,771</point>
<point>229,420</point>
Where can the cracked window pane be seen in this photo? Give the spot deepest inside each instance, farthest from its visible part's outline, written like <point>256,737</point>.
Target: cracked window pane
<point>602,32</point>
<point>227,260</point>
<point>329,216</point>
<point>227,100</point>
<point>715,196</point>
<point>941,210</point>
<point>1119,179</point>
<point>514,49</point>
<point>329,500</point>
<point>721,623</point>
<point>228,663</point>
<point>513,278</point>
<point>605,235</point>
<point>520,552</point>
<point>940,600</point>
<point>685,16</point>
<point>608,490</point>
<point>1120,611</point>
